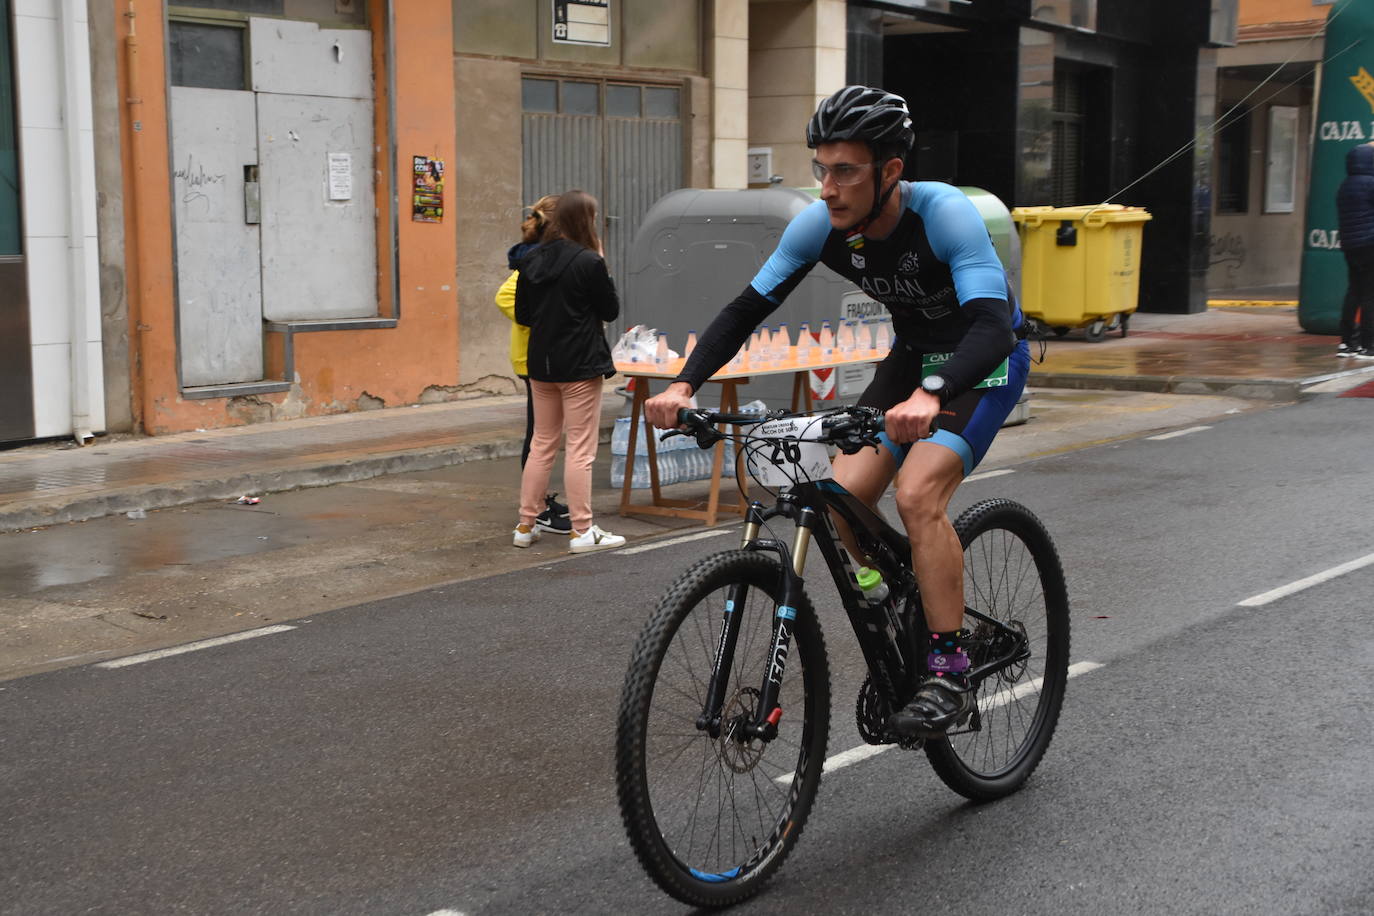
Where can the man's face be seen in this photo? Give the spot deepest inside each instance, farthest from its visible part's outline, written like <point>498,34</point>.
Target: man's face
<point>846,160</point>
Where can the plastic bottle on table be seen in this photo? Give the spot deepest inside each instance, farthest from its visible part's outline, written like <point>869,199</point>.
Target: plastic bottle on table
<point>782,343</point>
<point>863,343</point>
<point>884,342</point>
<point>827,341</point>
<point>846,337</point>
<point>690,345</point>
<point>804,342</point>
<point>661,352</point>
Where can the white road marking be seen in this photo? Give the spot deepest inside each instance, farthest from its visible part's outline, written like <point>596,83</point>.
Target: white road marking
<point>864,751</point>
<point>192,647</point>
<point>1176,433</point>
<point>986,474</point>
<point>1284,591</point>
<point>673,541</point>
<point>446,913</point>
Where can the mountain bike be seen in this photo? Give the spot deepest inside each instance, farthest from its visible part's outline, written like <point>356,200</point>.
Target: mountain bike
<point>724,714</point>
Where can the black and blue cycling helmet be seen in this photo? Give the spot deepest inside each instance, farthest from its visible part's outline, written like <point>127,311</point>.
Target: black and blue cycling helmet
<point>867,115</point>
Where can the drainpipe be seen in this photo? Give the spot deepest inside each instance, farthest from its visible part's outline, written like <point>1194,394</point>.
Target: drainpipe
<point>74,43</point>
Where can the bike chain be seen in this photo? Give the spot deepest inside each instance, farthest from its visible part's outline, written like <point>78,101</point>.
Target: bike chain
<point>870,716</point>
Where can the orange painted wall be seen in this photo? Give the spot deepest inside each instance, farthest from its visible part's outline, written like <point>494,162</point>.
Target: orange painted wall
<point>396,365</point>
<point>1263,12</point>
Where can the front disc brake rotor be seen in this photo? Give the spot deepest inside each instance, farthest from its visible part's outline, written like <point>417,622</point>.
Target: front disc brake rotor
<point>739,753</point>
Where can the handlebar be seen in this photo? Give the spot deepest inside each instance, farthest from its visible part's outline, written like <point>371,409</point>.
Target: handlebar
<point>850,429</point>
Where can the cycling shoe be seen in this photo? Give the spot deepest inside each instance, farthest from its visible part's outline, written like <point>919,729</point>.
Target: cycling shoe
<point>939,705</point>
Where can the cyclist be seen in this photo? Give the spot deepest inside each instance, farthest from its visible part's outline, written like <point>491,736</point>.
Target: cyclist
<point>921,249</point>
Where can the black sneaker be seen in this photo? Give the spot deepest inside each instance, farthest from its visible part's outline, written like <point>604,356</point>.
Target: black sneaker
<point>554,519</point>
<point>1346,351</point>
<point>939,705</point>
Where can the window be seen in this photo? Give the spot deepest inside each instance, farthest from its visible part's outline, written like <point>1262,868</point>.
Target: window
<point>539,95</point>
<point>1281,160</point>
<point>207,56</point>
<point>11,241</point>
<point>1066,155</point>
<point>1233,166</point>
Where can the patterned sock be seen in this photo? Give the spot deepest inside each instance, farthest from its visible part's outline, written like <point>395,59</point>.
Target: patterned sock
<point>947,657</point>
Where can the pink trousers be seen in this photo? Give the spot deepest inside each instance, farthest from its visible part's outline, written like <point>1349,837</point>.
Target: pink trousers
<point>559,407</point>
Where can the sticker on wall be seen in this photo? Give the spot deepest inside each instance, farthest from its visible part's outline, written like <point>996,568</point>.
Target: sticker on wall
<point>340,176</point>
<point>428,199</point>
<point>582,22</point>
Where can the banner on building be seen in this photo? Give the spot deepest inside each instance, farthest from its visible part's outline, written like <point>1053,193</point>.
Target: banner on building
<point>1345,119</point>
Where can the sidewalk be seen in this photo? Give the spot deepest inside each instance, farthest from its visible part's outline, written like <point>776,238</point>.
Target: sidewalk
<point>1251,352</point>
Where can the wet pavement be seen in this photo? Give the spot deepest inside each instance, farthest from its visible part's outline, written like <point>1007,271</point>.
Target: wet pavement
<point>1242,352</point>
<point>1247,352</point>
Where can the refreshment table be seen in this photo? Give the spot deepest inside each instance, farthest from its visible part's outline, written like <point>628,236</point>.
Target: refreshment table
<point>729,380</point>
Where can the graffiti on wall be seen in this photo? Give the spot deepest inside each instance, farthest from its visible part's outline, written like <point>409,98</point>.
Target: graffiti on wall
<point>1228,252</point>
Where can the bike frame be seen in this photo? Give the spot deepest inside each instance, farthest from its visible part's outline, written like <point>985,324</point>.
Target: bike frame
<point>889,632</point>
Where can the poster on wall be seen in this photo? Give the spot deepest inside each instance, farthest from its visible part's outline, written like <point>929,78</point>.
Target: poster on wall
<point>582,22</point>
<point>428,197</point>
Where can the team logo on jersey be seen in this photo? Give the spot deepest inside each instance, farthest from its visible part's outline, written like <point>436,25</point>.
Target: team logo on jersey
<point>909,263</point>
<point>857,260</point>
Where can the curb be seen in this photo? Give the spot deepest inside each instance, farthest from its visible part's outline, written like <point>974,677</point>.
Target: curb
<point>55,511</point>
<point>1254,389</point>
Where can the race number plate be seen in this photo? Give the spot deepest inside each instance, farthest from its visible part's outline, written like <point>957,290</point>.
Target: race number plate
<point>783,452</point>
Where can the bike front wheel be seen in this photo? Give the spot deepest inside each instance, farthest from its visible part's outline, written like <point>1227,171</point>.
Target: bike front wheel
<point>1013,577</point>
<point>711,818</point>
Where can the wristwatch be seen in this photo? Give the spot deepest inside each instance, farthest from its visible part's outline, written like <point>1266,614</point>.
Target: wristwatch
<point>935,384</point>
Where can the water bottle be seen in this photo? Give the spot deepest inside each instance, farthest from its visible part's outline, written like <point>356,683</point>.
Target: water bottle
<point>804,342</point>
<point>661,353</point>
<point>863,343</point>
<point>845,338</point>
<point>827,341</point>
<point>782,343</point>
<point>884,342</point>
<point>691,344</point>
<point>874,588</point>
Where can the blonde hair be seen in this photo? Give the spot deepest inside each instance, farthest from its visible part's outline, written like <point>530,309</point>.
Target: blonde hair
<point>536,225</point>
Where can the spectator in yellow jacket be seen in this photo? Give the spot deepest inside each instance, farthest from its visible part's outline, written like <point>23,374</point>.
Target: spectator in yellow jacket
<point>533,228</point>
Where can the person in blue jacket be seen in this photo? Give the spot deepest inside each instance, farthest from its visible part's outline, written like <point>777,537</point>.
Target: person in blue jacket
<point>1355,212</point>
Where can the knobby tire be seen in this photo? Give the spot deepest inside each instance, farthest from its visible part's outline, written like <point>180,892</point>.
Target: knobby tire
<point>677,784</point>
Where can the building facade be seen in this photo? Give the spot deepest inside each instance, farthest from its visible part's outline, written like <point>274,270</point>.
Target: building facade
<point>303,206</point>
<point>1266,85</point>
<point>51,376</point>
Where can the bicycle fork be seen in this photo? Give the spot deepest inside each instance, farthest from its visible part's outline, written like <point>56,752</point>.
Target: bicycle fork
<point>767,712</point>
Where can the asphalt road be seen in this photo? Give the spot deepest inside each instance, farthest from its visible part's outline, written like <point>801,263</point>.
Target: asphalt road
<point>450,750</point>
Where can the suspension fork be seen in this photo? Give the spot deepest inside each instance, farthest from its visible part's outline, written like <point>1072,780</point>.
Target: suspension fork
<point>709,720</point>
<point>768,712</point>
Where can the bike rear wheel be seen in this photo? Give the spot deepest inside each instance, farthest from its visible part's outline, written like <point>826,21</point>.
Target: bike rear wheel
<point>711,819</point>
<point>1012,574</point>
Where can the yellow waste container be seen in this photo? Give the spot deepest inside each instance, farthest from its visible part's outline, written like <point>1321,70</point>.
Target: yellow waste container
<point>1080,266</point>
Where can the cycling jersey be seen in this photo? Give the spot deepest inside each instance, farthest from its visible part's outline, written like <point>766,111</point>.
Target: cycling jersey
<point>939,276</point>
<point>937,273</point>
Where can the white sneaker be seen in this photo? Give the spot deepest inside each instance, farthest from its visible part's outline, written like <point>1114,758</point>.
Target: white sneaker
<point>594,539</point>
<point>1365,354</point>
<point>524,536</point>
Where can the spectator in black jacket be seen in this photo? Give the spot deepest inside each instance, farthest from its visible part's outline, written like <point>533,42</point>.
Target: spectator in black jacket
<point>563,295</point>
<point>1355,209</point>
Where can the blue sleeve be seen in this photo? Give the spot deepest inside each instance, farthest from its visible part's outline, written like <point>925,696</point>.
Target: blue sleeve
<point>959,238</point>
<point>798,251</point>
